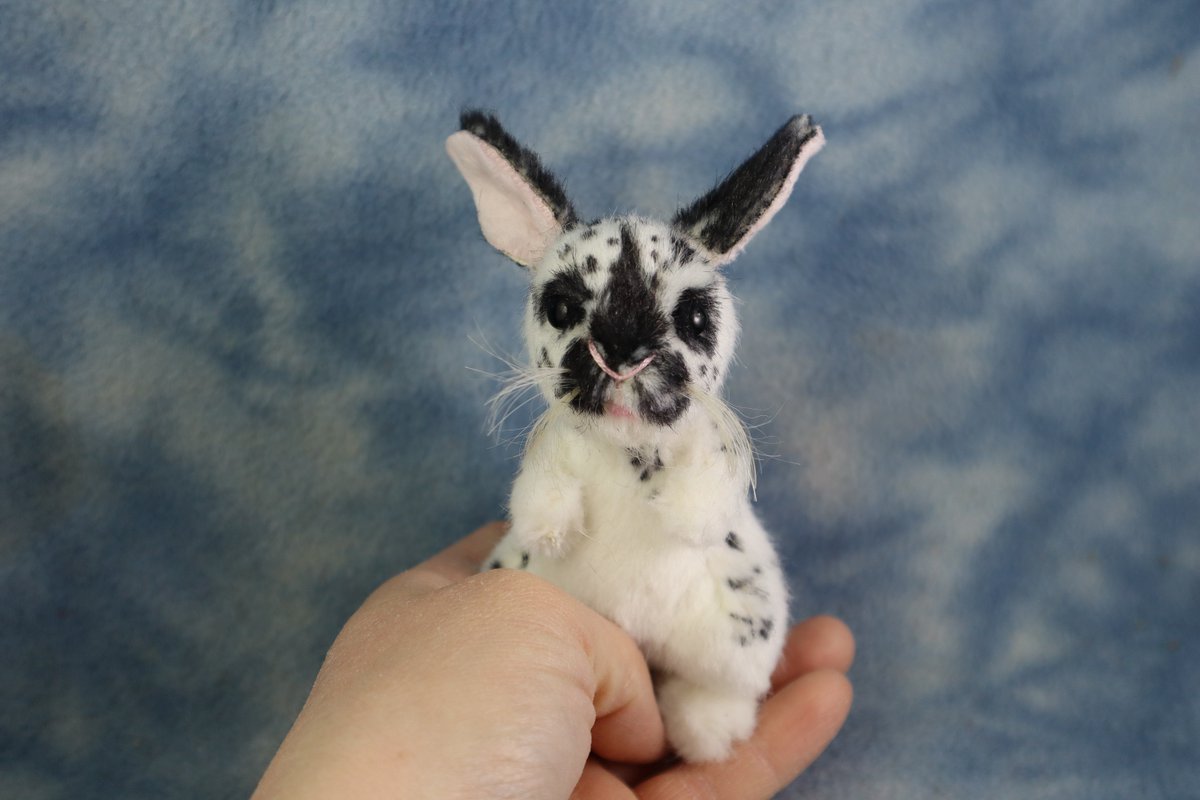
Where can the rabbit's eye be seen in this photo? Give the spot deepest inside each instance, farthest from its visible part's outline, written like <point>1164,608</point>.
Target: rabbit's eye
<point>562,312</point>
<point>695,318</point>
<point>560,301</point>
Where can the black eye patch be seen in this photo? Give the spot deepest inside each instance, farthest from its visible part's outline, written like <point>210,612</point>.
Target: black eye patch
<point>696,317</point>
<point>560,300</point>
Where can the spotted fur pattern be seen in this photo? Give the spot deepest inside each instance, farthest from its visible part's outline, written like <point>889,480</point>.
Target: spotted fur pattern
<point>633,491</point>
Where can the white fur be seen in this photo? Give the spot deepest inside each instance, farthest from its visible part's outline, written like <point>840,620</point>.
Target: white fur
<point>658,565</point>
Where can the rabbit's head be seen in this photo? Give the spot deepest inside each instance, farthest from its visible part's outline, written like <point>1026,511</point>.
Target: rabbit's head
<point>629,321</point>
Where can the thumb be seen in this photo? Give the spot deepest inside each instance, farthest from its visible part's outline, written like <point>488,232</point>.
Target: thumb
<point>596,655</point>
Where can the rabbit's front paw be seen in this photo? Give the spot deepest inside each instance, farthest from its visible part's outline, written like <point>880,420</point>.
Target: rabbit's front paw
<point>541,541</point>
<point>545,522</point>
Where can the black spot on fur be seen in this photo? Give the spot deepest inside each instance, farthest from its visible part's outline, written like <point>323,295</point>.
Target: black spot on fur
<point>524,560</point>
<point>746,586</point>
<point>565,251</point>
<point>733,541</point>
<point>768,625</point>
<point>588,233</point>
<point>642,463</point>
<point>544,359</point>
<point>495,564</point>
<point>590,265</point>
<point>682,253</point>
<point>654,238</point>
<point>523,160</point>
<point>614,241</point>
<point>703,370</point>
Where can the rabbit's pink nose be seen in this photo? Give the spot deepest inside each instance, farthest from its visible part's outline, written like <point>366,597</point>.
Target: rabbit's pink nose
<point>609,371</point>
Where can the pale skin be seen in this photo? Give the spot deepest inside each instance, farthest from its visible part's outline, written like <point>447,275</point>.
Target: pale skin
<point>451,684</point>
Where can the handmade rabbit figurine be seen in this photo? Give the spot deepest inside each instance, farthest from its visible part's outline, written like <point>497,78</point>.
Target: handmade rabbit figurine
<point>633,494</point>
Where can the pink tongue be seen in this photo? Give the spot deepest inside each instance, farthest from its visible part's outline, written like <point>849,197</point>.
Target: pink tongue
<point>618,410</point>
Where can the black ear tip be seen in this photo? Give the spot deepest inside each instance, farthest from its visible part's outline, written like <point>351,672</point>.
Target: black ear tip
<point>477,121</point>
<point>801,127</point>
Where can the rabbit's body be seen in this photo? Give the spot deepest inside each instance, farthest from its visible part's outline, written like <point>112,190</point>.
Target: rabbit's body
<point>701,594</point>
<point>633,492</point>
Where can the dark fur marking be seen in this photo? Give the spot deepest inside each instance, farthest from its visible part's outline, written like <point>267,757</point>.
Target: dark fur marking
<point>544,359</point>
<point>733,541</point>
<point>614,241</point>
<point>524,560</point>
<point>590,265</point>
<point>588,233</point>
<point>495,564</point>
<point>682,253</point>
<point>723,217</point>
<point>523,160</point>
<point>667,405</point>
<point>567,284</point>
<point>642,463</point>
<point>746,585</point>
<point>627,319</point>
<point>768,625</point>
<point>581,373</point>
<point>698,303</point>
<point>565,251</point>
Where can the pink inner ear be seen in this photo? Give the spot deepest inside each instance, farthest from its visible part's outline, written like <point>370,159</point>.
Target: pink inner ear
<point>809,150</point>
<point>514,218</point>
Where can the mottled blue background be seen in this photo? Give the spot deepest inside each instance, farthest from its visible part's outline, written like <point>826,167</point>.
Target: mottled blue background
<point>239,283</point>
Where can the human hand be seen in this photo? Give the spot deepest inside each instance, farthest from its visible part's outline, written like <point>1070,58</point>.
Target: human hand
<point>449,684</point>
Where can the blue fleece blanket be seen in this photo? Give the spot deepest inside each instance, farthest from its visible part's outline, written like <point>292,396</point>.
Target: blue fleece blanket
<point>243,296</point>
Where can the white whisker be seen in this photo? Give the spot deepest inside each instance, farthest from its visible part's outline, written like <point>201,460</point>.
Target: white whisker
<point>734,436</point>
<point>520,386</point>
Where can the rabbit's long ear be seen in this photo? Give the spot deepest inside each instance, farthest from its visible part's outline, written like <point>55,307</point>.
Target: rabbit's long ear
<point>522,207</point>
<point>726,218</point>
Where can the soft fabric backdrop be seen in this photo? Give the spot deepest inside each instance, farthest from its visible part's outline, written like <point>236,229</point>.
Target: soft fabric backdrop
<point>240,286</point>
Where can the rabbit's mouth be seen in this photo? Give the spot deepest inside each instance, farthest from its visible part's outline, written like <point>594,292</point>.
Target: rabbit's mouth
<point>653,389</point>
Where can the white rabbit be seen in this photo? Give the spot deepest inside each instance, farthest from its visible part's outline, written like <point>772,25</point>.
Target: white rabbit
<point>633,494</point>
